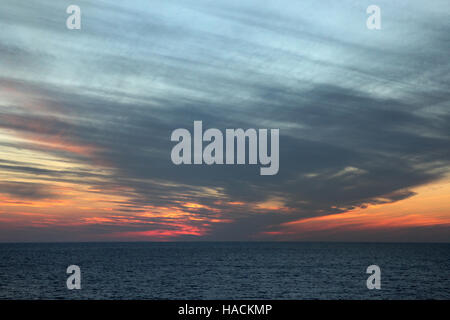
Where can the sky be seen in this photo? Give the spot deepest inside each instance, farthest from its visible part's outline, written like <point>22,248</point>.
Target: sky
<point>86,117</point>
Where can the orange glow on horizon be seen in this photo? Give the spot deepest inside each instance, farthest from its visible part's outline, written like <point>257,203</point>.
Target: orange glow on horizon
<point>429,207</point>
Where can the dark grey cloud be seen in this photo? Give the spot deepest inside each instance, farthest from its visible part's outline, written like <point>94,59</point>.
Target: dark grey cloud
<point>27,191</point>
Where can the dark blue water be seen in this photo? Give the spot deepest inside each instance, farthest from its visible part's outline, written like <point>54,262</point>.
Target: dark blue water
<point>224,270</point>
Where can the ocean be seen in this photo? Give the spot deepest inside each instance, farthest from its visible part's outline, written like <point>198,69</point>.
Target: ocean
<point>224,270</point>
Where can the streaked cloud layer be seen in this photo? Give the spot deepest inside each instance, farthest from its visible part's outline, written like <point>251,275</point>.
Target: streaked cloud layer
<point>86,118</point>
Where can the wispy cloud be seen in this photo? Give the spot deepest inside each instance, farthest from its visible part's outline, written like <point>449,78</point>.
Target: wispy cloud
<point>86,115</point>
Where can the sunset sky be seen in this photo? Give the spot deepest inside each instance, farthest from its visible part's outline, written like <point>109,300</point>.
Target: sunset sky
<point>86,117</point>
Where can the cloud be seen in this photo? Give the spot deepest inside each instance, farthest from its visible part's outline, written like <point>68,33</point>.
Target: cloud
<point>363,117</point>
<point>27,191</point>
